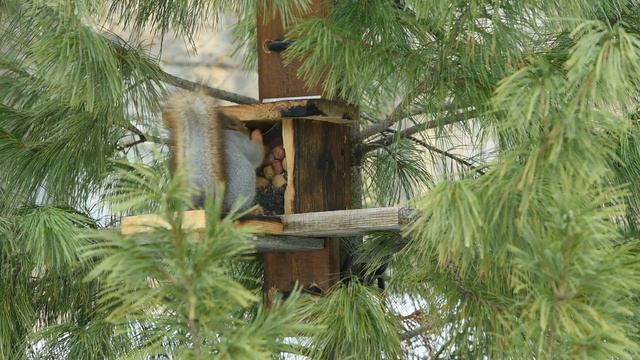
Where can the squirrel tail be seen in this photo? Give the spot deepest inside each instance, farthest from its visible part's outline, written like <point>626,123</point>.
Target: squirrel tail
<point>192,120</point>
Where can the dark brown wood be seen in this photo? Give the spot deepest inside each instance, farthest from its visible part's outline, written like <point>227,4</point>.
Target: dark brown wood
<point>275,80</point>
<point>321,181</point>
<point>318,160</point>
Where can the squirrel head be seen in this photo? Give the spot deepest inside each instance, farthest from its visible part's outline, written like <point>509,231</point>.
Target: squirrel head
<point>228,123</point>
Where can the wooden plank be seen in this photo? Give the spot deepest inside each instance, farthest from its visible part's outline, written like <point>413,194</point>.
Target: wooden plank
<point>320,158</point>
<point>336,223</point>
<point>266,243</point>
<point>346,222</point>
<point>323,166</point>
<point>275,80</point>
<point>288,144</point>
<point>193,219</point>
<point>316,109</point>
<point>268,226</point>
<point>263,243</point>
<point>270,239</point>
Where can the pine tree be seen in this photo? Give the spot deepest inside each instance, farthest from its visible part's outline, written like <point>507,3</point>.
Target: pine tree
<point>512,126</point>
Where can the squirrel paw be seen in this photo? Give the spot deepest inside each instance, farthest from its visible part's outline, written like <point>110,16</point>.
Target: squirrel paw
<point>256,210</point>
<point>256,137</point>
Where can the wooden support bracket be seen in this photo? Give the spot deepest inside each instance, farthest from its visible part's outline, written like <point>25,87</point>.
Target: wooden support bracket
<point>268,243</point>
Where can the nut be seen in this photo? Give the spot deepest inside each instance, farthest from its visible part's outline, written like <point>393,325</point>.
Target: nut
<point>262,182</point>
<point>279,181</point>
<point>278,152</point>
<point>277,167</point>
<point>268,172</point>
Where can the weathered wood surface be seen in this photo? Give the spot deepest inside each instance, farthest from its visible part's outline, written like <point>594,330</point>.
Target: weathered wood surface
<point>268,243</point>
<point>275,80</point>
<point>321,180</point>
<point>264,241</point>
<point>314,109</point>
<point>320,175</point>
<point>293,233</point>
<point>346,222</point>
<point>194,219</point>
<point>336,223</point>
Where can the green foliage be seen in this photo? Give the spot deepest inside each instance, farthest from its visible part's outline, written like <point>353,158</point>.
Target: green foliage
<point>356,325</point>
<point>65,101</point>
<point>628,168</point>
<point>138,188</point>
<point>374,30</point>
<point>173,292</point>
<point>536,241</point>
<point>52,147</point>
<point>186,18</point>
<point>525,247</point>
<point>38,256</point>
<point>399,171</point>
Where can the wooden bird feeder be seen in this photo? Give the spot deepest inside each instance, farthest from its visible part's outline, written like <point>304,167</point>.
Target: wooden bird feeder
<point>299,245</point>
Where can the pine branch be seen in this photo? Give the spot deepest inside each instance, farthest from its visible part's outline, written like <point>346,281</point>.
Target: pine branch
<point>136,131</point>
<point>176,81</point>
<point>131,144</point>
<point>442,349</point>
<point>398,113</point>
<point>195,338</point>
<point>208,90</point>
<point>388,140</point>
<point>447,120</point>
<point>410,334</point>
<point>210,63</point>
<point>142,138</point>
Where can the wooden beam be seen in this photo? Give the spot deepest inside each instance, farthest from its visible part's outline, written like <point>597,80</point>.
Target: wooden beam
<point>269,243</point>
<point>313,109</point>
<point>336,223</point>
<point>320,177</point>
<point>196,220</point>
<point>268,239</point>
<point>275,79</point>
<point>346,222</point>
<point>288,142</point>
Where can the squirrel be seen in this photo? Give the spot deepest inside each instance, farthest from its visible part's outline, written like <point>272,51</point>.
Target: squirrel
<point>213,148</point>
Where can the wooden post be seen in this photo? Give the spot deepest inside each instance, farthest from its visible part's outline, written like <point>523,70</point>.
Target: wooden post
<point>275,80</point>
<point>321,178</point>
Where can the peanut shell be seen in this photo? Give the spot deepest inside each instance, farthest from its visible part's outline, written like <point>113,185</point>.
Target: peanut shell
<point>279,181</point>
<point>262,182</point>
<point>278,152</point>
<point>277,167</point>
<point>268,172</point>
